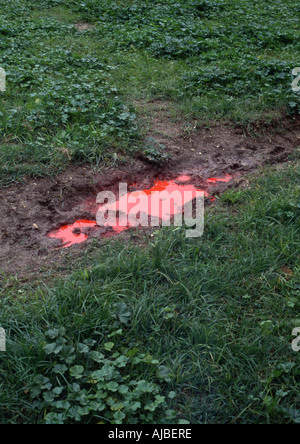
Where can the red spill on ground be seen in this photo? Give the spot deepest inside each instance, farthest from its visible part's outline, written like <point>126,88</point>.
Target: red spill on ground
<point>225,179</point>
<point>73,234</point>
<point>168,186</point>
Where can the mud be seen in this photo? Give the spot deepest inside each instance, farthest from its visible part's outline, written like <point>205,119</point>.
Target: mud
<point>149,208</point>
<point>29,212</point>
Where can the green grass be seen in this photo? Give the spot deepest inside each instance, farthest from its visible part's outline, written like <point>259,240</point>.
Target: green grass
<point>70,94</point>
<point>209,319</point>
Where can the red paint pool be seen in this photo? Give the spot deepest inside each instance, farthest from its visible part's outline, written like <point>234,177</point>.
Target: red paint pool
<point>74,233</point>
<point>225,179</point>
<point>150,206</point>
<point>168,186</point>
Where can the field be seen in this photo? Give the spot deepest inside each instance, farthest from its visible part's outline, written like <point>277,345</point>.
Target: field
<point>150,326</point>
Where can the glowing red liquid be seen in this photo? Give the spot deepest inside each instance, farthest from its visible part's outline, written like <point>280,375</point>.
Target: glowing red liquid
<point>225,179</point>
<point>70,236</point>
<point>143,198</point>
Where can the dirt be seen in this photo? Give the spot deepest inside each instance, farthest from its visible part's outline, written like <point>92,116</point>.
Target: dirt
<point>82,26</point>
<point>32,210</point>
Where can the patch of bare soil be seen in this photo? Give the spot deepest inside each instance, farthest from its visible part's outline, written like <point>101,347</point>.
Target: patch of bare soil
<point>82,26</point>
<point>31,210</point>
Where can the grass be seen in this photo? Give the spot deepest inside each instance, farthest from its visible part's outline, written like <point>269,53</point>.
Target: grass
<point>214,317</point>
<point>70,94</point>
<point>180,330</point>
